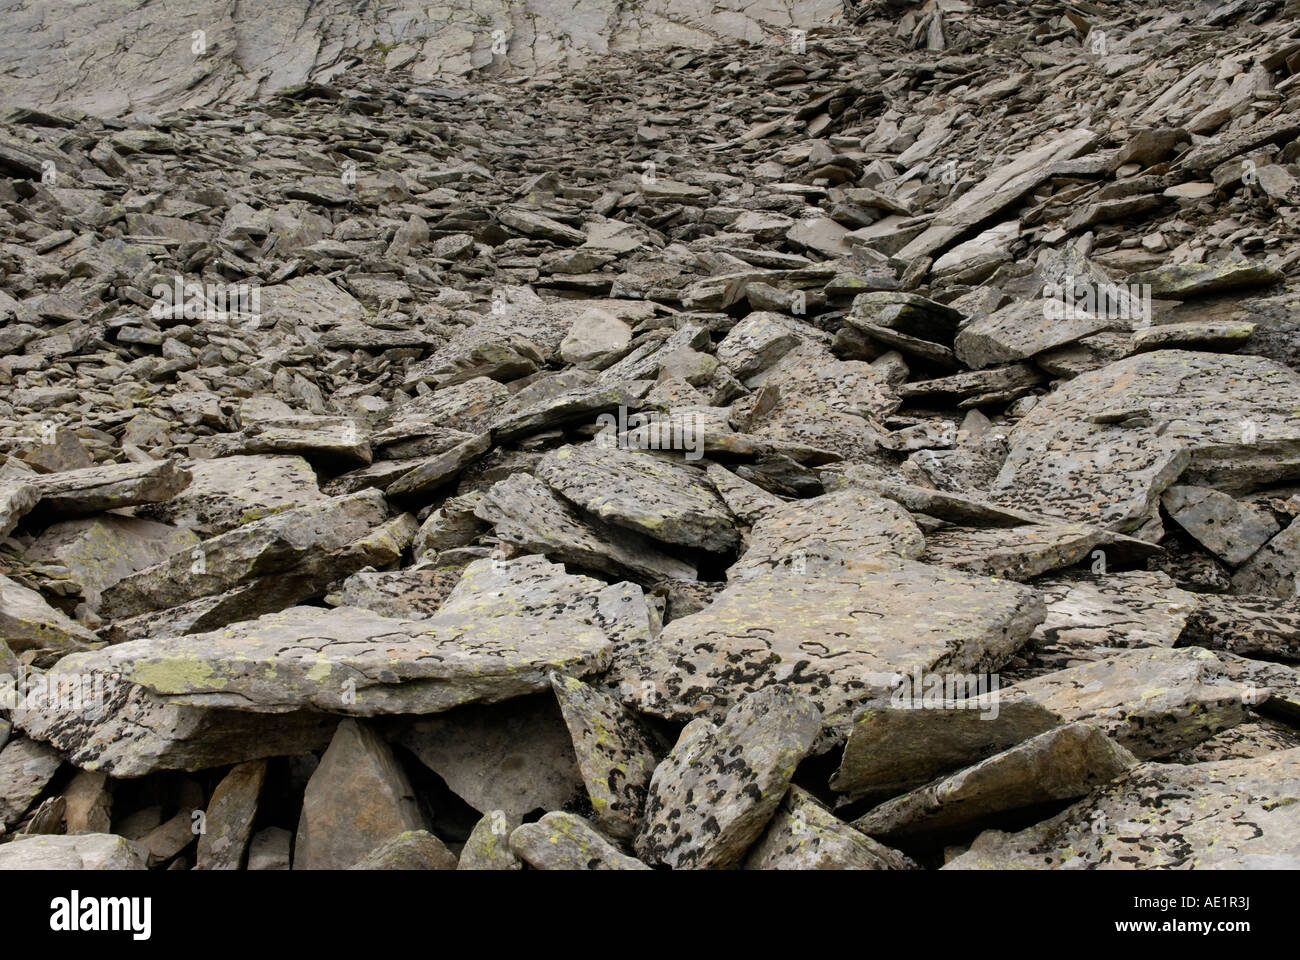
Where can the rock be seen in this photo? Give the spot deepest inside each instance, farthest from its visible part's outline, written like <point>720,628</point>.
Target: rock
<point>488,846</point>
<point>516,757</point>
<point>1061,764</point>
<point>719,786</point>
<point>328,660</point>
<point>1161,816</point>
<point>88,803</point>
<point>228,823</point>
<point>27,622</point>
<point>1231,530</point>
<point>1023,330</point>
<point>358,798</point>
<point>847,523</point>
<point>87,851</point>
<point>276,543</point>
<point>809,631</point>
<point>228,492</point>
<point>26,769</point>
<point>16,499</point>
<point>803,835</point>
<point>652,495</point>
<point>615,756</point>
<point>413,850</point>
<point>1274,569</point>
<point>565,841</point>
<point>1064,464</point>
<point>101,551</point>
<point>526,514</point>
<point>269,849</point>
<point>93,489</point>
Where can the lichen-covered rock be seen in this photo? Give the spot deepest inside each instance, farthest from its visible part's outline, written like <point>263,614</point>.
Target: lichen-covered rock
<point>837,633</point>
<point>527,514</point>
<point>716,790</point>
<point>16,499</point>
<point>658,497</point>
<point>1060,764</point>
<point>1202,816</point>
<point>565,841</point>
<point>804,835</point>
<point>488,846</point>
<point>1274,569</point>
<point>1152,700</point>
<point>358,798</point>
<point>1068,460</point>
<point>27,622</point>
<point>352,661</point>
<point>26,769</point>
<point>516,756</point>
<point>1092,616</point>
<point>92,489</point>
<point>1229,529</point>
<point>273,544</point>
<point>1013,553</point>
<point>131,732</point>
<point>615,756</point>
<point>413,850</point>
<point>853,522</point>
<point>100,551</point>
<point>227,492</point>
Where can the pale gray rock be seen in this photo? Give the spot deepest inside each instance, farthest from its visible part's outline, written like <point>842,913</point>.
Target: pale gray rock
<point>87,851</point>
<point>413,850</point>
<point>1061,764</point>
<point>803,835</point>
<point>1203,816</point>
<point>516,756</point>
<point>655,496</point>
<point>1230,530</point>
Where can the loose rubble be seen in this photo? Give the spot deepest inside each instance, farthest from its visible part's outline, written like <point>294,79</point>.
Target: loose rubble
<point>835,435</point>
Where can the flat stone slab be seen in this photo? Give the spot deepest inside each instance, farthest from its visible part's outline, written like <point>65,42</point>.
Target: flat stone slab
<point>227,492</point>
<point>1060,764</point>
<point>516,756</point>
<point>87,851</point>
<point>533,519</point>
<point>1202,816</point>
<point>838,635</point>
<point>353,661</point>
<point>850,522</point>
<point>716,790</point>
<point>95,489</point>
<point>273,544</point>
<point>1230,530</point>
<point>656,496</point>
<point>1067,460</point>
<point>1014,553</point>
<point>614,754</point>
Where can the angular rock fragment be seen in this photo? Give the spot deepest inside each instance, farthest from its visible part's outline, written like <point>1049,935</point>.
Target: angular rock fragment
<point>413,850</point>
<point>358,798</point>
<point>1163,816</point>
<point>92,489</point>
<point>837,635</point>
<point>615,756</point>
<point>1061,764</point>
<point>565,841</point>
<point>715,792</point>
<point>803,835</point>
<point>228,824</point>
